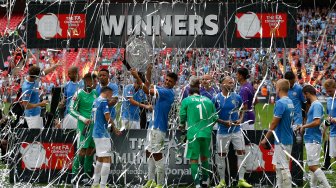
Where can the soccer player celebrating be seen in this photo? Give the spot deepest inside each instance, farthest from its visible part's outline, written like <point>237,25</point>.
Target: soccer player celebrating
<point>130,110</point>
<point>101,136</point>
<point>295,94</point>
<point>81,108</point>
<point>281,126</point>
<point>330,86</point>
<point>71,87</point>
<point>104,81</point>
<point>157,129</point>
<point>200,114</point>
<point>31,97</point>
<point>247,94</point>
<point>313,136</point>
<point>227,104</point>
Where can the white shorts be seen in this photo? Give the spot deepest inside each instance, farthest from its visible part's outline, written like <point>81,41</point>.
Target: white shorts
<point>69,122</point>
<point>280,159</point>
<point>127,124</point>
<point>34,122</point>
<point>332,146</point>
<point>223,142</point>
<point>247,126</point>
<point>155,141</point>
<point>313,151</point>
<point>103,147</point>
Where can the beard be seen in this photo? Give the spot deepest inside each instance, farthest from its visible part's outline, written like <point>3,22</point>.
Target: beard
<point>308,101</point>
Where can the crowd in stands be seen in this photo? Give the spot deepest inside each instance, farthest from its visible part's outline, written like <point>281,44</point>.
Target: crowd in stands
<point>313,60</point>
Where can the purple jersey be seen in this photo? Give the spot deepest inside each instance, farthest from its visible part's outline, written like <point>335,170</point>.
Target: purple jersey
<point>247,94</point>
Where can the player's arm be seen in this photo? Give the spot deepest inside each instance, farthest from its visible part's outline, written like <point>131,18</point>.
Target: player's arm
<point>278,112</point>
<point>183,114</point>
<point>316,122</point>
<point>245,99</point>
<point>114,100</point>
<point>273,125</point>
<point>149,75</point>
<point>62,103</point>
<point>241,113</point>
<point>317,115</point>
<point>214,113</point>
<point>26,98</point>
<point>51,69</point>
<point>110,122</point>
<point>140,105</point>
<point>73,109</point>
<point>225,122</point>
<point>28,105</point>
<point>137,77</point>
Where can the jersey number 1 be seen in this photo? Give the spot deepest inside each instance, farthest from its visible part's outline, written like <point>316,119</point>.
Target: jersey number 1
<point>200,110</point>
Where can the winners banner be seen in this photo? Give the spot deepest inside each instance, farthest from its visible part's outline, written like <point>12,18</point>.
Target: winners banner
<point>208,25</point>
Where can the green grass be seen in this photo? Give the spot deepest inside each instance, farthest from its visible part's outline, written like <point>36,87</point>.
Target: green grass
<point>264,115</point>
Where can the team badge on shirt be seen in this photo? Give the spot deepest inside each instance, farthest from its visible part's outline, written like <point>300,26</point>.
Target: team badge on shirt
<point>294,94</point>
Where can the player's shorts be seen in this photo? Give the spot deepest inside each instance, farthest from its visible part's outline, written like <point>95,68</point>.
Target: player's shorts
<point>155,141</point>
<point>103,147</point>
<point>223,142</point>
<point>280,159</point>
<point>313,151</point>
<point>128,124</point>
<point>85,136</point>
<point>198,147</point>
<point>247,126</point>
<point>34,122</point>
<point>332,146</point>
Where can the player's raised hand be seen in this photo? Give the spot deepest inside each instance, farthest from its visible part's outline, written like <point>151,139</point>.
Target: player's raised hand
<point>134,72</point>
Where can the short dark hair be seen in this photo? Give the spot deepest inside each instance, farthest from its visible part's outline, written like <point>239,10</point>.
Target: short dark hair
<point>104,70</point>
<point>289,75</point>
<point>34,71</point>
<point>244,72</point>
<point>193,90</point>
<point>106,89</point>
<point>89,76</point>
<point>309,89</point>
<point>173,76</point>
<point>194,87</point>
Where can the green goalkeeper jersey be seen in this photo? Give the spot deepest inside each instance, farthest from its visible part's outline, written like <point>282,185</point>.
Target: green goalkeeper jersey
<point>81,103</point>
<point>200,114</point>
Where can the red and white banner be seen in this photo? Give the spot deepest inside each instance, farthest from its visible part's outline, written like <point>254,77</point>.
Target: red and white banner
<point>261,25</point>
<point>54,156</point>
<point>60,26</point>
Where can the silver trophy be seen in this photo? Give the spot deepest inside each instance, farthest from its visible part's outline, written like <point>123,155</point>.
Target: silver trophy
<point>138,53</point>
